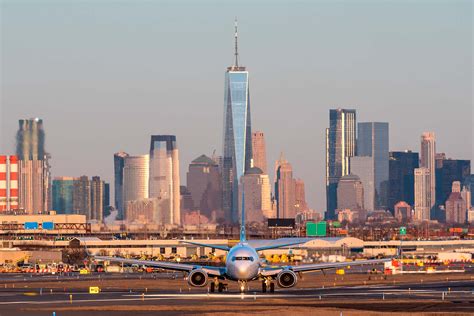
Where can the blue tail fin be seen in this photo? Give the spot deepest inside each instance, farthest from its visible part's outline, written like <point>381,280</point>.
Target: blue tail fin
<point>242,219</point>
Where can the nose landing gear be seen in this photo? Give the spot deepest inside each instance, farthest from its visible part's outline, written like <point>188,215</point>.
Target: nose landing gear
<point>242,286</point>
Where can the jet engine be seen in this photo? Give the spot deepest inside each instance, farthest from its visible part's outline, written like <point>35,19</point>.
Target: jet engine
<point>197,278</point>
<point>286,279</point>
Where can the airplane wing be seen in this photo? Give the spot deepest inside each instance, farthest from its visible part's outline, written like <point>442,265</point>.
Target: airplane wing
<point>273,270</point>
<point>214,271</point>
<point>276,245</point>
<point>220,247</point>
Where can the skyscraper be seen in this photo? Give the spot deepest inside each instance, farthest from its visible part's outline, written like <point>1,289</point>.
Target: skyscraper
<point>340,146</point>
<point>164,177</point>
<point>448,171</point>
<point>350,193</point>
<point>427,160</point>
<point>33,167</point>
<point>30,140</point>
<point>106,198</point>
<point>81,201</point>
<point>372,141</point>
<point>470,185</point>
<point>204,183</point>
<point>119,163</point>
<point>256,186</point>
<point>259,151</point>
<point>466,196</point>
<point>456,206</point>
<point>237,133</point>
<point>8,183</point>
<point>63,190</point>
<point>362,166</point>
<point>300,196</point>
<point>97,199</point>
<point>136,178</point>
<point>422,194</point>
<point>285,189</point>
<point>33,186</point>
<point>402,177</point>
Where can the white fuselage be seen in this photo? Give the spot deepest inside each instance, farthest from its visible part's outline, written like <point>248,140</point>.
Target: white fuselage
<point>243,263</point>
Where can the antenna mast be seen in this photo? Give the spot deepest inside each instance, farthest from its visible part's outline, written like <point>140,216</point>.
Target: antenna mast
<point>236,53</point>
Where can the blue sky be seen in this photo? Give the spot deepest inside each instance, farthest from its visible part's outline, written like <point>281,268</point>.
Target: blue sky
<point>105,75</point>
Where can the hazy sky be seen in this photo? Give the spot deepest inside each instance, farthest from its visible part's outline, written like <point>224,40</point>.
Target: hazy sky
<point>105,75</point>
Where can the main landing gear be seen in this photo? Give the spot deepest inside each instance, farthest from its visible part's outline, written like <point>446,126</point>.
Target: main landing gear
<point>268,284</point>
<point>216,284</point>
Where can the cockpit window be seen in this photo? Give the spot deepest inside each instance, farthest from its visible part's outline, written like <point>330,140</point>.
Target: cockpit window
<point>242,258</point>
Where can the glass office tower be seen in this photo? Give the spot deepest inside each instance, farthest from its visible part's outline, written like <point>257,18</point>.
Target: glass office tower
<point>401,177</point>
<point>63,189</point>
<point>237,134</point>
<point>119,164</point>
<point>164,178</point>
<point>340,146</point>
<point>373,142</point>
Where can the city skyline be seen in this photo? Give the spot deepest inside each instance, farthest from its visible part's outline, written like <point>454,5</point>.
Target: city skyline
<point>304,145</point>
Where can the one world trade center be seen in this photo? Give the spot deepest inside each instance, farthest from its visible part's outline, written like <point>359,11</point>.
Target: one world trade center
<point>237,134</point>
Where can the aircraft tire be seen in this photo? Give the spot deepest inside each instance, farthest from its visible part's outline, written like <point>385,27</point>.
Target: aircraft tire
<point>213,287</point>
<point>264,287</point>
<point>221,288</point>
<point>272,287</point>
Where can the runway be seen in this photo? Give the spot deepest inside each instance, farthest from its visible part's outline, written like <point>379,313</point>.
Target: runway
<point>173,297</point>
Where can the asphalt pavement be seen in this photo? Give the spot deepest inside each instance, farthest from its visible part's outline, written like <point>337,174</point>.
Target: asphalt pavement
<point>24,295</point>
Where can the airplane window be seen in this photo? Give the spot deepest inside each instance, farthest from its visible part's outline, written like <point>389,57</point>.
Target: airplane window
<point>242,258</point>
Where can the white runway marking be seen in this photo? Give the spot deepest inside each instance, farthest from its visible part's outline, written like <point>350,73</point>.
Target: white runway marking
<point>129,298</point>
<point>247,296</point>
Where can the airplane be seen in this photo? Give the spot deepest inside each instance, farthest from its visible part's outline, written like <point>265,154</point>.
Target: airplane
<point>243,264</point>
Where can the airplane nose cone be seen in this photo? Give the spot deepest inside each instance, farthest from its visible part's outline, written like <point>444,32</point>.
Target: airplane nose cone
<point>243,271</point>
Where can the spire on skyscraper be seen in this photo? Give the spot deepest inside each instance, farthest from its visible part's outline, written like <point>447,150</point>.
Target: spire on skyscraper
<point>282,158</point>
<point>236,53</point>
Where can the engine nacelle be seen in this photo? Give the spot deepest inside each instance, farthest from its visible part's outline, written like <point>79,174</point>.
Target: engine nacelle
<point>197,278</point>
<point>286,279</point>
